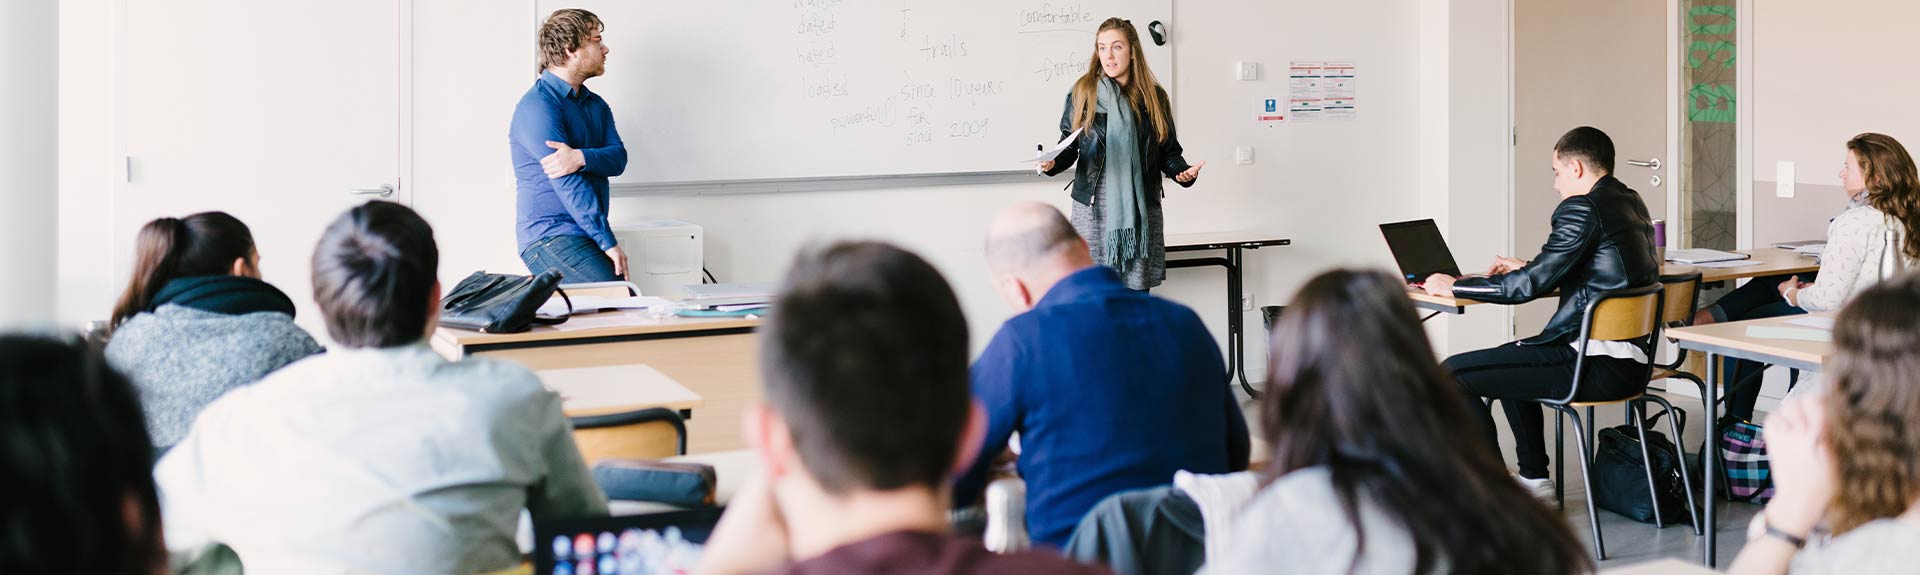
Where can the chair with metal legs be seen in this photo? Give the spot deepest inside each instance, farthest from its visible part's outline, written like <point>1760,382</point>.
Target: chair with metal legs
<point>1630,315</point>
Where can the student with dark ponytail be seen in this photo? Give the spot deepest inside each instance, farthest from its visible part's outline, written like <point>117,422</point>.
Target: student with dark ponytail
<point>196,321</point>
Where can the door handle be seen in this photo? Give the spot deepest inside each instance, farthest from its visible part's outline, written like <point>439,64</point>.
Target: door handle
<point>383,191</point>
<point>1653,163</point>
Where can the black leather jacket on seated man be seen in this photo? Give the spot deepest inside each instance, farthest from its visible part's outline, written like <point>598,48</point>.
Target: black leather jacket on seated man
<point>1600,242</point>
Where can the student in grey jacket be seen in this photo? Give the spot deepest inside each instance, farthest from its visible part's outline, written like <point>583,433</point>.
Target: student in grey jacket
<point>196,321</point>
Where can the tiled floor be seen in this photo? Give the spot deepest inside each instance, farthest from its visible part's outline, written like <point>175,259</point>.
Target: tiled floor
<point>1629,542</point>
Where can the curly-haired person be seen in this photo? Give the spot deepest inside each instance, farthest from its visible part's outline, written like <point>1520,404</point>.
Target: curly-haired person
<point>1847,461</point>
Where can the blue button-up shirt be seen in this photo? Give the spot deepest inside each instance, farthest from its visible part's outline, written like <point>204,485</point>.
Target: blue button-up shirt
<point>574,204</point>
<point>1111,390</point>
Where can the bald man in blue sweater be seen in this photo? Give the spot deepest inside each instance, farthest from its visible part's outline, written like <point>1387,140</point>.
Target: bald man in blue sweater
<point>1110,389</point>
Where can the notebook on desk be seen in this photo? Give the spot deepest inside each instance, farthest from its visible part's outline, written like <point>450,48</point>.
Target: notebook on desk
<point>1702,256</point>
<point>1420,250</point>
<point>732,290</point>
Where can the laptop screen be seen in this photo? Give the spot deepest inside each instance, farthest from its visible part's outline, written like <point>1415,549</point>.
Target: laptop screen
<point>668,542</point>
<point>1419,249</point>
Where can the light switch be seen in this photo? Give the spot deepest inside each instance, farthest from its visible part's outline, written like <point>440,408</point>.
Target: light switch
<point>1246,71</point>
<point>1243,155</point>
<point>1783,179</point>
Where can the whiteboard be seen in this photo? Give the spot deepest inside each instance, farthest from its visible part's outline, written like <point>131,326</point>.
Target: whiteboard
<point>757,90</point>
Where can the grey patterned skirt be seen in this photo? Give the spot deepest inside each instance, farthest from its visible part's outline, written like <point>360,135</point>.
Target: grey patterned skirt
<point>1146,272</point>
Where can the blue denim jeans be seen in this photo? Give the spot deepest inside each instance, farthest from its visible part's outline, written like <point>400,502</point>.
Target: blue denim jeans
<point>577,258</point>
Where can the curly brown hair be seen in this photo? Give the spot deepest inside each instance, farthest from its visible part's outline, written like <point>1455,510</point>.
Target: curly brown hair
<point>563,32</point>
<point>1873,408</point>
<point>1893,183</point>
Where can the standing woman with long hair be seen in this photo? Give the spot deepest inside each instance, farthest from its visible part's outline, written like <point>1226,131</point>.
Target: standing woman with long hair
<point>1127,138</point>
<point>1369,472</point>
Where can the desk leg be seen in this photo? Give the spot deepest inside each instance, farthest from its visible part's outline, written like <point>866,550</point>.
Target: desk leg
<point>1709,476</point>
<point>1236,331</point>
<point>1236,325</point>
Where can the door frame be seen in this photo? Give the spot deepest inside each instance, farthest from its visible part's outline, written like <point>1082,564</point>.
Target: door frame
<point>1675,181</point>
<point>1743,119</point>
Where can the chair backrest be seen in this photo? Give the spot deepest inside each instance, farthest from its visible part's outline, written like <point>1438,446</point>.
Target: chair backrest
<point>1628,314</point>
<point>1683,294</point>
<point>651,433</point>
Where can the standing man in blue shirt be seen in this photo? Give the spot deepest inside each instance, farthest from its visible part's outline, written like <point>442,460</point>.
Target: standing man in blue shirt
<point>1110,389</point>
<point>564,149</point>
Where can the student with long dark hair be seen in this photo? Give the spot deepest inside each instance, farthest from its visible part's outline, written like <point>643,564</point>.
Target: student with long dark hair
<point>196,320</point>
<point>1127,137</point>
<point>1369,474</point>
<point>76,463</point>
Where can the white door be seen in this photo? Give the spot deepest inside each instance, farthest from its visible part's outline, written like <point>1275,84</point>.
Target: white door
<point>281,113</point>
<point>1600,64</point>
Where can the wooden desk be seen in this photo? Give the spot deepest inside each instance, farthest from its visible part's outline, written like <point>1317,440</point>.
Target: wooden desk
<point>586,391</point>
<point>1234,243</point>
<point>716,358</point>
<point>1731,340</point>
<point>1770,261</point>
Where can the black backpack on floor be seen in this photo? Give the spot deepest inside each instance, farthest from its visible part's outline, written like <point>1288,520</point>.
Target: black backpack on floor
<point>1620,484</point>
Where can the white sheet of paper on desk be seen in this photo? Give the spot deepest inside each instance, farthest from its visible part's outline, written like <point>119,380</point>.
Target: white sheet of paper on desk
<point>588,304</point>
<point>1054,152</point>
<point>741,307</point>
<point>1723,265</point>
<point>1793,333</point>
<point>1813,321</point>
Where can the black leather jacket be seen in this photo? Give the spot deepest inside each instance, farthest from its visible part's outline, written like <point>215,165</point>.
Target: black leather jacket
<point>1600,242</point>
<point>1163,157</point>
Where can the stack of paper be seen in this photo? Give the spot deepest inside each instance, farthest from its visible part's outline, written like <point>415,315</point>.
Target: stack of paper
<point>557,307</point>
<point>1702,255</point>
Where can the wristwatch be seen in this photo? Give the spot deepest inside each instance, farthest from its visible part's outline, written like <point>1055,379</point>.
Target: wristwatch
<point>1797,541</point>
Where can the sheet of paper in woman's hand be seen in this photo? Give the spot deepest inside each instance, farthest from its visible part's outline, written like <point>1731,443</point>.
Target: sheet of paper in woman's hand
<point>1054,152</point>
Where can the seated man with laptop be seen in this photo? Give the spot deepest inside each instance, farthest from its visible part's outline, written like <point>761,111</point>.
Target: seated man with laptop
<point>1601,240</point>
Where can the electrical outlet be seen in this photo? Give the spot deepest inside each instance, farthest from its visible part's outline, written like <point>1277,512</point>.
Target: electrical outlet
<point>1246,302</point>
<point>1783,179</point>
<point>1243,155</point>
<point>1246,71</point>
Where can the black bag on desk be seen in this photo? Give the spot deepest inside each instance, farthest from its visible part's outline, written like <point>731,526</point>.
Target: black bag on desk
<point>500,303</point>
<point>1620,482</point>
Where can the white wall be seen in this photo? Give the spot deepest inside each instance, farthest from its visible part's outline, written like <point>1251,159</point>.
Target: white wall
<point>87,169</point>
<point>1823,72</point>
<point>1326,186</point>
<point>29,189</point>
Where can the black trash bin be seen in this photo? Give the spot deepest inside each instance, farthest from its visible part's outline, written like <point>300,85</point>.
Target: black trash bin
<point>1270,314</point>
